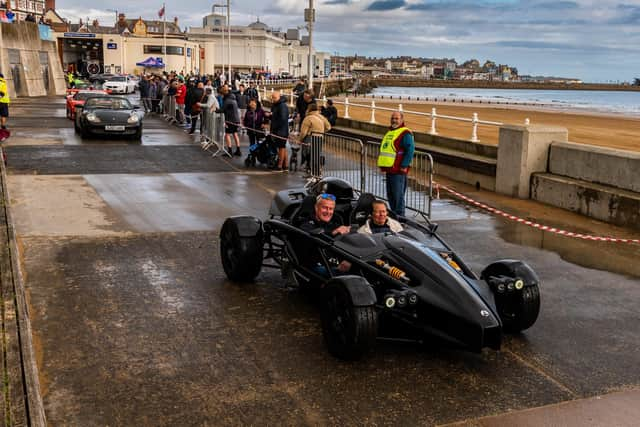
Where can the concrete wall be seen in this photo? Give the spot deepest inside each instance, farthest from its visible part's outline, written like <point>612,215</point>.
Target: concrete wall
<point>617,168</point>
<point>606,203</point>
<point>24,37</point>
<point>598,182</point>
<point>522,151</point>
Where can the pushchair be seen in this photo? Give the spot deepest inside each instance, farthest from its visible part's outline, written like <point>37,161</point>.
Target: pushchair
<point>263,151</point>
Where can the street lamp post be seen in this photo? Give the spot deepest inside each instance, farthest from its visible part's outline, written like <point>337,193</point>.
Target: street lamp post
<point>221,6</point>
<point>228,41</point>
<point>309,17</point>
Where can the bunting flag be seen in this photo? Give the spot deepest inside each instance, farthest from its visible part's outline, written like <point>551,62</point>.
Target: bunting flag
<point>161,12</point>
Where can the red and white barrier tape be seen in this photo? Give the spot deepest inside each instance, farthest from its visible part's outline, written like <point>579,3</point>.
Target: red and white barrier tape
<point>547,228</point>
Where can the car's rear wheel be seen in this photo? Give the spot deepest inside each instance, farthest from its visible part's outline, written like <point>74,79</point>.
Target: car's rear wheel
<point>349,331</point>
<point>241,248</point>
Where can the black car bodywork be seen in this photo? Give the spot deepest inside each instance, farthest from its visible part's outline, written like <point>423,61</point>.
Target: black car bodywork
<point>109,115</point>
<point>409,285</point>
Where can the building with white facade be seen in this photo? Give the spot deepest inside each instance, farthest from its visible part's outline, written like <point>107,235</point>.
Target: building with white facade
<point>255,47</point>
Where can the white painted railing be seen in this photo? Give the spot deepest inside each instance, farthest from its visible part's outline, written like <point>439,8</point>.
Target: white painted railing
<point>433,115</point>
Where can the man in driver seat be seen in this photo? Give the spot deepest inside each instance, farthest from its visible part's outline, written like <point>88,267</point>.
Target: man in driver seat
<point>379,221</point>
<point>330,225</point>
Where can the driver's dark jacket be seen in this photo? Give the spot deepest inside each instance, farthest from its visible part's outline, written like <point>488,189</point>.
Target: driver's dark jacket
<point>307,252</point>
<point>327,227</point>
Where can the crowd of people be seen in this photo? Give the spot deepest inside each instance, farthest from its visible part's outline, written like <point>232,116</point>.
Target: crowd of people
<point>243,112</point>
<point>242,109</point>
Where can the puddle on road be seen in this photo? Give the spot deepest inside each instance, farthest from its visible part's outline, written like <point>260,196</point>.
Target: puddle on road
<point>614,257</point>
<point>619,258</point>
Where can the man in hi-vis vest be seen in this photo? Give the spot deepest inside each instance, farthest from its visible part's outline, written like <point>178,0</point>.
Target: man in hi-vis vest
<point>4,102</point>
<point>396,154</point>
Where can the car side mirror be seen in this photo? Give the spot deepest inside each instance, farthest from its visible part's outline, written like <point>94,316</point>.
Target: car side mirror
<point>433,227</point>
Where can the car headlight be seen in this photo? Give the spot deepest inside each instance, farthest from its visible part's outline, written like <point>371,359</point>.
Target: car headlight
<point>389,301</point>
<point>93,118</point>
<point>133,118</point>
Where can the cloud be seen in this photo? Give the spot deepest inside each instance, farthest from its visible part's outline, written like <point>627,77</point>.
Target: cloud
<point>384,5</point>
<point>532,35</point>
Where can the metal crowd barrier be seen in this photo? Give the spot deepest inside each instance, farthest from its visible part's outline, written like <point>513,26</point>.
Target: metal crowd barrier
<point>212,132</point>
<point>169,108</point>
<point>357,163</point>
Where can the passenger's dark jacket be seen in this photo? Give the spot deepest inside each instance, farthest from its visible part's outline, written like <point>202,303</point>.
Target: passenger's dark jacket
<point>280,118</point>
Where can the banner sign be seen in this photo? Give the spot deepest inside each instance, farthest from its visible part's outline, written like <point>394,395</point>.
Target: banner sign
<point>81,35</point>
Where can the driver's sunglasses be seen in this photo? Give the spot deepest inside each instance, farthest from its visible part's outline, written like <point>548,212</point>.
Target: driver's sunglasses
<point>327,196</point>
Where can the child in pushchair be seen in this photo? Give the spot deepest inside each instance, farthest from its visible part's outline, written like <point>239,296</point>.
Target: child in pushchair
<point>263,150</point>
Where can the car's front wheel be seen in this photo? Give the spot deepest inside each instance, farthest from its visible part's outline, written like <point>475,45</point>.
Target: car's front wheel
<point>241,249</point>
<point>515,287</point>
<point>349,331</point>
<point>520,310</point>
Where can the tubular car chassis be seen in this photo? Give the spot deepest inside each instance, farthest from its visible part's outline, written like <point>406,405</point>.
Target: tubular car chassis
<point>408,285</point>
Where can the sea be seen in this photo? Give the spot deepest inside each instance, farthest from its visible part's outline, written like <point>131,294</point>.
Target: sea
<point>608,102</point>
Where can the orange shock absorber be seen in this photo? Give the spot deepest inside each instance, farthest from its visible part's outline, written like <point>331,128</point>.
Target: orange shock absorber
<point>394,272</point>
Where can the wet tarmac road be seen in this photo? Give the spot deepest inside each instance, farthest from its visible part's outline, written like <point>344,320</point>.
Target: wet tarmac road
<point>135,324</point>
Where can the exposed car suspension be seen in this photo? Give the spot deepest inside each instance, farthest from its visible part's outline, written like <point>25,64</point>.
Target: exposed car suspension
<point>394,272</point>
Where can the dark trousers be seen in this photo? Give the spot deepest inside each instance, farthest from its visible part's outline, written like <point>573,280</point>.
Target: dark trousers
<point>194,120</point>
<point>396,188</point>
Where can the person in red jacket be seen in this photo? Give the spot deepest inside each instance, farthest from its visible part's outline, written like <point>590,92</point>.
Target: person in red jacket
<point>181,94</point>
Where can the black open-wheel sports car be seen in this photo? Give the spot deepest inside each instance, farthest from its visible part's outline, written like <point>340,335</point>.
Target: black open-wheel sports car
<point>409,284</point>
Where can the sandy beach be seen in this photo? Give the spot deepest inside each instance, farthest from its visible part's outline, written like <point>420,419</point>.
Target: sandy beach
<point>587,128</point>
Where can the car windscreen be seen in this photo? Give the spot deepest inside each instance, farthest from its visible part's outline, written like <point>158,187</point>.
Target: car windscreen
<point>108,103</point>
<point>82,96</point>
<point>118,79</point>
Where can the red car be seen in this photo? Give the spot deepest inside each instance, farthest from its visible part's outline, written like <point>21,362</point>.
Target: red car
<point>78,98</point>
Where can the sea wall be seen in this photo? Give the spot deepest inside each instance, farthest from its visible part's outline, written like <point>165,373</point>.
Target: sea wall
<point>30,65</point>
<point>597,182</point>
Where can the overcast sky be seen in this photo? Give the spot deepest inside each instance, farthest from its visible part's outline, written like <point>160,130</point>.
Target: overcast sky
<point>595,40</point>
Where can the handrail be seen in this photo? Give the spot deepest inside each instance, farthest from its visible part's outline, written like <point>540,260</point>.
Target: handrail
<point>474,120</point>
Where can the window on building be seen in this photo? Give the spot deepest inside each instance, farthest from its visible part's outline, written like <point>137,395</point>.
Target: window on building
<point>157,49</point>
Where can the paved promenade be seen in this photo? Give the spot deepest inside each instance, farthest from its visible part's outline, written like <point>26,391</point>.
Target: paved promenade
<point>133,321</point>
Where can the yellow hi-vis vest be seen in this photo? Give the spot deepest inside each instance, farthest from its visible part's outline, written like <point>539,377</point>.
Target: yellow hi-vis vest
<point>3,88</point>
<point>387,155</point>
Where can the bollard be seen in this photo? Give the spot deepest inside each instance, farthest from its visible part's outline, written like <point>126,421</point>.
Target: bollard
<point>400,108</point>
<point>433,122</point>
<point>291,104</point>
<point>346,108</point>
<point>324,101</point>
<point>474,132</point>
<point>373,112</point>
<point>527,122</point>
<point>264,92</point>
